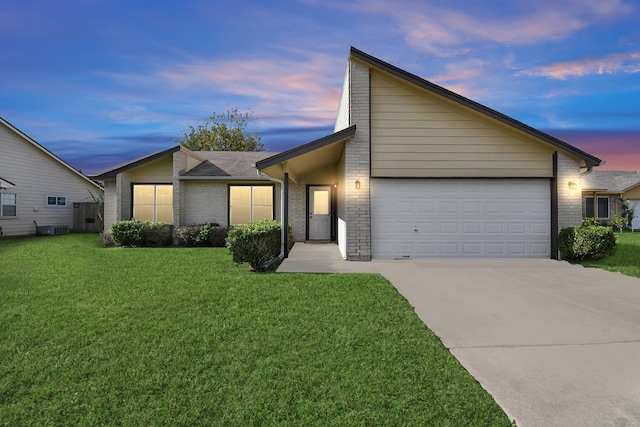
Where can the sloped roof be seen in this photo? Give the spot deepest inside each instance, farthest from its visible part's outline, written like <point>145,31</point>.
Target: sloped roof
<point>227,163</point>
<point>112,172</point>
<point>5,183</point>
<point>48,153</point>
<point>439,90</point>
<point>610,181</point>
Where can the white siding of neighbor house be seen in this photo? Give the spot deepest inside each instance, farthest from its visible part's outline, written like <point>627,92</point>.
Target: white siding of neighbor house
<point>415,133</point>
<point>36,175</point>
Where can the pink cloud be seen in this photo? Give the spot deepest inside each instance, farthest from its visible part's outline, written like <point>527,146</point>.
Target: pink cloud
<point>619,149</point>
<point>449,30</point>
<point>611,64</point>
<point>307,86</point>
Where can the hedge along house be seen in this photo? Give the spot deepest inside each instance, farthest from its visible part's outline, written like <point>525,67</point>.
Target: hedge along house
<point>412,170</point>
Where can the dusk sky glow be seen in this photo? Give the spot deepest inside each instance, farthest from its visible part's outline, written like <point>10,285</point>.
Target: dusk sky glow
<point>101,82</point>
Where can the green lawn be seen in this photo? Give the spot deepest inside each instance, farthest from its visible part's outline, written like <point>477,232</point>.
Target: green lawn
<point>183,337</point>
<point>625,259</point>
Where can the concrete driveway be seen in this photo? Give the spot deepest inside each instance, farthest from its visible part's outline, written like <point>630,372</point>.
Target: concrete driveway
<point>554,344</point>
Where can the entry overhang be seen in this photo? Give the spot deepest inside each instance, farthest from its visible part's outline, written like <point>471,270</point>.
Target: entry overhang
<point>308,157</point>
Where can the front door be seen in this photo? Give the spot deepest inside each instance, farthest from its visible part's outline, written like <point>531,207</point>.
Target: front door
<point>319,224</point>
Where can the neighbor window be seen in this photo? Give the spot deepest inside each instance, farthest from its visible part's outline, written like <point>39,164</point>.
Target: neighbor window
<point>56,201</point>
<point>249,203</point>
<point>153,202</point>
<point>8,205</point>
<point>602,206</point>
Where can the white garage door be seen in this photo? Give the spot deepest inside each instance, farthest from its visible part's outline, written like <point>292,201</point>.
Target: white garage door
<point>466,218</point>
<point>635,222</point>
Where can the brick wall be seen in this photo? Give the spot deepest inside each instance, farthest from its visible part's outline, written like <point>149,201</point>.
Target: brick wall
<point>569,201</point>
<point>206,202</point>
<point>297,209</point>
<point>356,213</point>
<point>179,164</point>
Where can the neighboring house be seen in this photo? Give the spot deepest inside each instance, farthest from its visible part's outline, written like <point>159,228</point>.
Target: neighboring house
<point>412,171</point>
<point>36,186</point>
<point>607,189</point>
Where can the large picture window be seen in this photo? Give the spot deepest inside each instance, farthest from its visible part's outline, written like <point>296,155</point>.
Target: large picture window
<point>8,205</point>
<point>602,206</point>
<point>249,203</point>
<point>153,202</point>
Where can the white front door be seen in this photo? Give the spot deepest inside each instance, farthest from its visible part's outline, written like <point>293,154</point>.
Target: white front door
<point>319,212</point>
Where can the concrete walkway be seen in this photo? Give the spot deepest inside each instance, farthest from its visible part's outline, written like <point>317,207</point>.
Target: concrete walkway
<point>554,344</point>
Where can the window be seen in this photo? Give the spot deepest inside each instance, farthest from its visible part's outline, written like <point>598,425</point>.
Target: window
<point>249,203</point>
<point>8,205</point>
<point>56,201</point>
<point>153,202</point>
<point>602,206</point>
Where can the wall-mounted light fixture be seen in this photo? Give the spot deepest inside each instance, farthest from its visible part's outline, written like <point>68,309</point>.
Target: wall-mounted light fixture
<point>572,185</point>
<point>357,185</point>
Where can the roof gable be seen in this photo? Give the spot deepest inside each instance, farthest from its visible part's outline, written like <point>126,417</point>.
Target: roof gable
<point>412,79</point>
<point>112,172</point>
<point>232,164</point>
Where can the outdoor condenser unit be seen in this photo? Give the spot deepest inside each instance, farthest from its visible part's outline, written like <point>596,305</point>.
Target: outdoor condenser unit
<point>51,230</point>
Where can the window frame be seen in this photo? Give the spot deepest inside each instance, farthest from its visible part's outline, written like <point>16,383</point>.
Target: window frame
<point>155,198</point>
<point>2,204</point>
<point>596,207</point>
<point>60,201</point>
<point>273,200</point>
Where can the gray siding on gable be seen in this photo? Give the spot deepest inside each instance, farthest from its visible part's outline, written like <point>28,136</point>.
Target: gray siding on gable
<point>37,175</point>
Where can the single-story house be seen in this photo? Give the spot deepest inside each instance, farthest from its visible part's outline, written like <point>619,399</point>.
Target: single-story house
<point>37,187</point>
<point>412,170</point>
<point>604,190</point>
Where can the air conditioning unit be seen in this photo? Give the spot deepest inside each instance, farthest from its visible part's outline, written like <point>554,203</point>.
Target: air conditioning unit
<point>52,230</point>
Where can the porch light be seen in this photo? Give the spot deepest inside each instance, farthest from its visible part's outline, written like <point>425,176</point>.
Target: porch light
<point>357,185</point>
<point>572,185</point>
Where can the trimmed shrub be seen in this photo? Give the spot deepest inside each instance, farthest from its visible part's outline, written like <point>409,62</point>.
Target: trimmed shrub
<point>142,233</point>
<point>255,243</point>
<point>590,222</point>
<point>586,242</point>
<point>210,234</point>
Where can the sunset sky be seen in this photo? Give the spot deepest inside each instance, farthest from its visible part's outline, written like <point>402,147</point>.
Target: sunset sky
<point>101,82</point>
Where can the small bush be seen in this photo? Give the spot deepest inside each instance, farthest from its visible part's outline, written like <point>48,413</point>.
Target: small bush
<point>142,233</point>
<point>255,243</point>
<point>619,222</point>
<point>590,222</point>
<point>210,234</point>
<point>586,242</point>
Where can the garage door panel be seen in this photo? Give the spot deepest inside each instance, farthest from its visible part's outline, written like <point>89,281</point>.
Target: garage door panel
<point>460,218</point>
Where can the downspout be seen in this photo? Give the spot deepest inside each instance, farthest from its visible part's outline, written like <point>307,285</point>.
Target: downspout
<point>283,227</point>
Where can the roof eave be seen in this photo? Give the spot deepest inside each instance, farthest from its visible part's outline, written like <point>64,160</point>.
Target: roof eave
<point>306,148</point>
<point>112,173</point>
<point>48,153</point>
